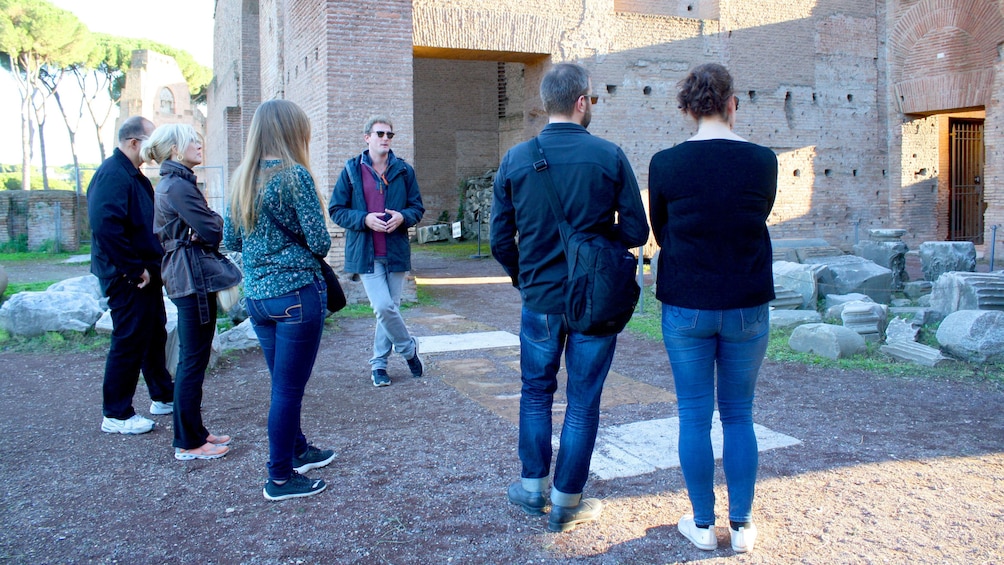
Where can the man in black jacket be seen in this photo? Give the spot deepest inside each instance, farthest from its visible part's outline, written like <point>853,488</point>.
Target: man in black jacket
<point>593,181</point>
<point>126,257</point>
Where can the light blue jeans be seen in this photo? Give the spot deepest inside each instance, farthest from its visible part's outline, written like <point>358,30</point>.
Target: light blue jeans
<point>383,288</point>
<point>734,342</point>
<point>542,339</point>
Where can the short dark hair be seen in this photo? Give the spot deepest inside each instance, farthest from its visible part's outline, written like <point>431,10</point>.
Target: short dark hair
<point>705,91</point>
<point>562,87</point>
<point>134,128</point>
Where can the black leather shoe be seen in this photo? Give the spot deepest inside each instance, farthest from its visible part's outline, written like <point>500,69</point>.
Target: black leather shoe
<point>565,518</point>
<point>533,503</point>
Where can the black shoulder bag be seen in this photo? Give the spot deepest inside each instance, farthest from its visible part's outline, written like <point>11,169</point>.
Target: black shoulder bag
<point>601,291</point>
<point>336,296</point>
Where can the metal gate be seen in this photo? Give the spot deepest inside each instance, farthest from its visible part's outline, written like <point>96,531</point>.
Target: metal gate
<point>967,155</point>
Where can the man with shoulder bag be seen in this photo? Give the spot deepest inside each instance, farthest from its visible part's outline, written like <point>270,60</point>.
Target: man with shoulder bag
<point>590,184</point>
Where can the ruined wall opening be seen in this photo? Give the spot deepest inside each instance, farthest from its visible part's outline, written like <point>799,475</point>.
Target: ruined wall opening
<point>470,107</point>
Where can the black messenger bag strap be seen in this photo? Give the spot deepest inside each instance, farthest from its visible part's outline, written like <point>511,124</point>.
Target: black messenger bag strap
<point>541,167</point>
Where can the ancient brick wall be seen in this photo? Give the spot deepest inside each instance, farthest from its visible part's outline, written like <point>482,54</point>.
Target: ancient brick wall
<point>457,129</point>
<point>45,217</point>
<point>821,82</point>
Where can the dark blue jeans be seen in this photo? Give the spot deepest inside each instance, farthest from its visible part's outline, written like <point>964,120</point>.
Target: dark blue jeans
<point>195,341</point>
<point>733,342</point>
<point>289,330</point>
<point>139,338</point>
<point>543,338</point>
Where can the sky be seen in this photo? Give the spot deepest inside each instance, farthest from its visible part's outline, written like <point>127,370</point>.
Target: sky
<point>184,24</point>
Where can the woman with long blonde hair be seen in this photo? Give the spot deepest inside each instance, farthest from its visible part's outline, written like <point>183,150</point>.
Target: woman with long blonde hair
<point>273,189</point>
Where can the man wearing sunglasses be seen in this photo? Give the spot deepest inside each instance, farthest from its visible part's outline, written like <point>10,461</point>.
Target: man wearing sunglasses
<point>126,256</point>
<point>376,200</point>
<point>594,182</point>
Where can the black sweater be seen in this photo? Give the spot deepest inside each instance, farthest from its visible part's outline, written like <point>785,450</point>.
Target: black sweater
<point>709,202</point>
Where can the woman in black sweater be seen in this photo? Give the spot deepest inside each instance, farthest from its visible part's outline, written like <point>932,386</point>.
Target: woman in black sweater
<point>709,202</point>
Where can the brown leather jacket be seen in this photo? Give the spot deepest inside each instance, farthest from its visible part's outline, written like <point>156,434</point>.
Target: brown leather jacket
<point>191,233</point>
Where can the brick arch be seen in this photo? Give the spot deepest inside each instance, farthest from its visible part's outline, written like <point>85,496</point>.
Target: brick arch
<point>965,33</point>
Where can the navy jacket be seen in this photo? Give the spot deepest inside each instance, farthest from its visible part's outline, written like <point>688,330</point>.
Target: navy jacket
<point>120,210</point>
<point>347,208</point>
<point>593,180</point>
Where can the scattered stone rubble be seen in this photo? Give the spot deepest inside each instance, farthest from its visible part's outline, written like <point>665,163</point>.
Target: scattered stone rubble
<point>809,275</point>
<point>871,295</point>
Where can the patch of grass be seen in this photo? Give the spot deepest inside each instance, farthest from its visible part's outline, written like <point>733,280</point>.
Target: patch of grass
<point>19,254</point>
<point>458,249</point>
<point>55,342</point>
<point>647,319</point>
<point>354,311</point>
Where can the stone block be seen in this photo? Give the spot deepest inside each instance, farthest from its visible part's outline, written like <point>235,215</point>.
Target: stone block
<point>866,318</point>
<point>799,278</point>
<point>975,336</point>
<point>435,232</point>
<point>849,273</point>
<point>915,289</point>
<point>827,340</point>
<point>916,314</point>
<point>940,257</point>
<point>954,291</point>
<point>888,254</point>
<point>35,313</point>
<point>793,318</point>
<point>901,329</point>
<point>841,299</point>
<point>786,299</point>
<point>913,352</point>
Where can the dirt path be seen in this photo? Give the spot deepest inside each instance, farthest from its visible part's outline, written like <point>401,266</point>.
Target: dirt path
<point>889,470</point>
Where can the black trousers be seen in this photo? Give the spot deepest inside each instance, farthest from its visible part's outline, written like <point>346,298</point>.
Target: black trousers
<point>139,337</point>
<point>195,347</point>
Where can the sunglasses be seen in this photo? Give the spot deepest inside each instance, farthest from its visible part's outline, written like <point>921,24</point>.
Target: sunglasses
<point>593,99</point>
<point>380,134</point>
<point>737,102</point>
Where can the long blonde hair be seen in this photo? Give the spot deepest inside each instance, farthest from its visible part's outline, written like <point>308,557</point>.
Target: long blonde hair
<point>279,128</point>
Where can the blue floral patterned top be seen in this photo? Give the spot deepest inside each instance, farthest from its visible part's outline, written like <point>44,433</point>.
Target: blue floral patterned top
<point>274,264</point>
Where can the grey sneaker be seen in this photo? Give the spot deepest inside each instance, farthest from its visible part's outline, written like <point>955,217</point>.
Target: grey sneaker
<point>415,363</point>
<point>161,408</point>
<point>533,503</point>
<point>297,486</point>
<point>135,425</point>
<point>380,377</point>
<point>565,518</point>
<point>313,458</point>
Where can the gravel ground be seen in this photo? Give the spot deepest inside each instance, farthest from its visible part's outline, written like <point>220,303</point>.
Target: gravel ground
<point>889,469</point>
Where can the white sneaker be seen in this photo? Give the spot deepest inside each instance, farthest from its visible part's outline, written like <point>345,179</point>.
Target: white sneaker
<point>743,539</point>
<point>135,425</point>
<point>161,408</point>
<point>703,538</point>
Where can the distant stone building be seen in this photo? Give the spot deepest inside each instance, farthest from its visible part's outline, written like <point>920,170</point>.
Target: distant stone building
<point>883,113</point>
<point>156,89</point>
